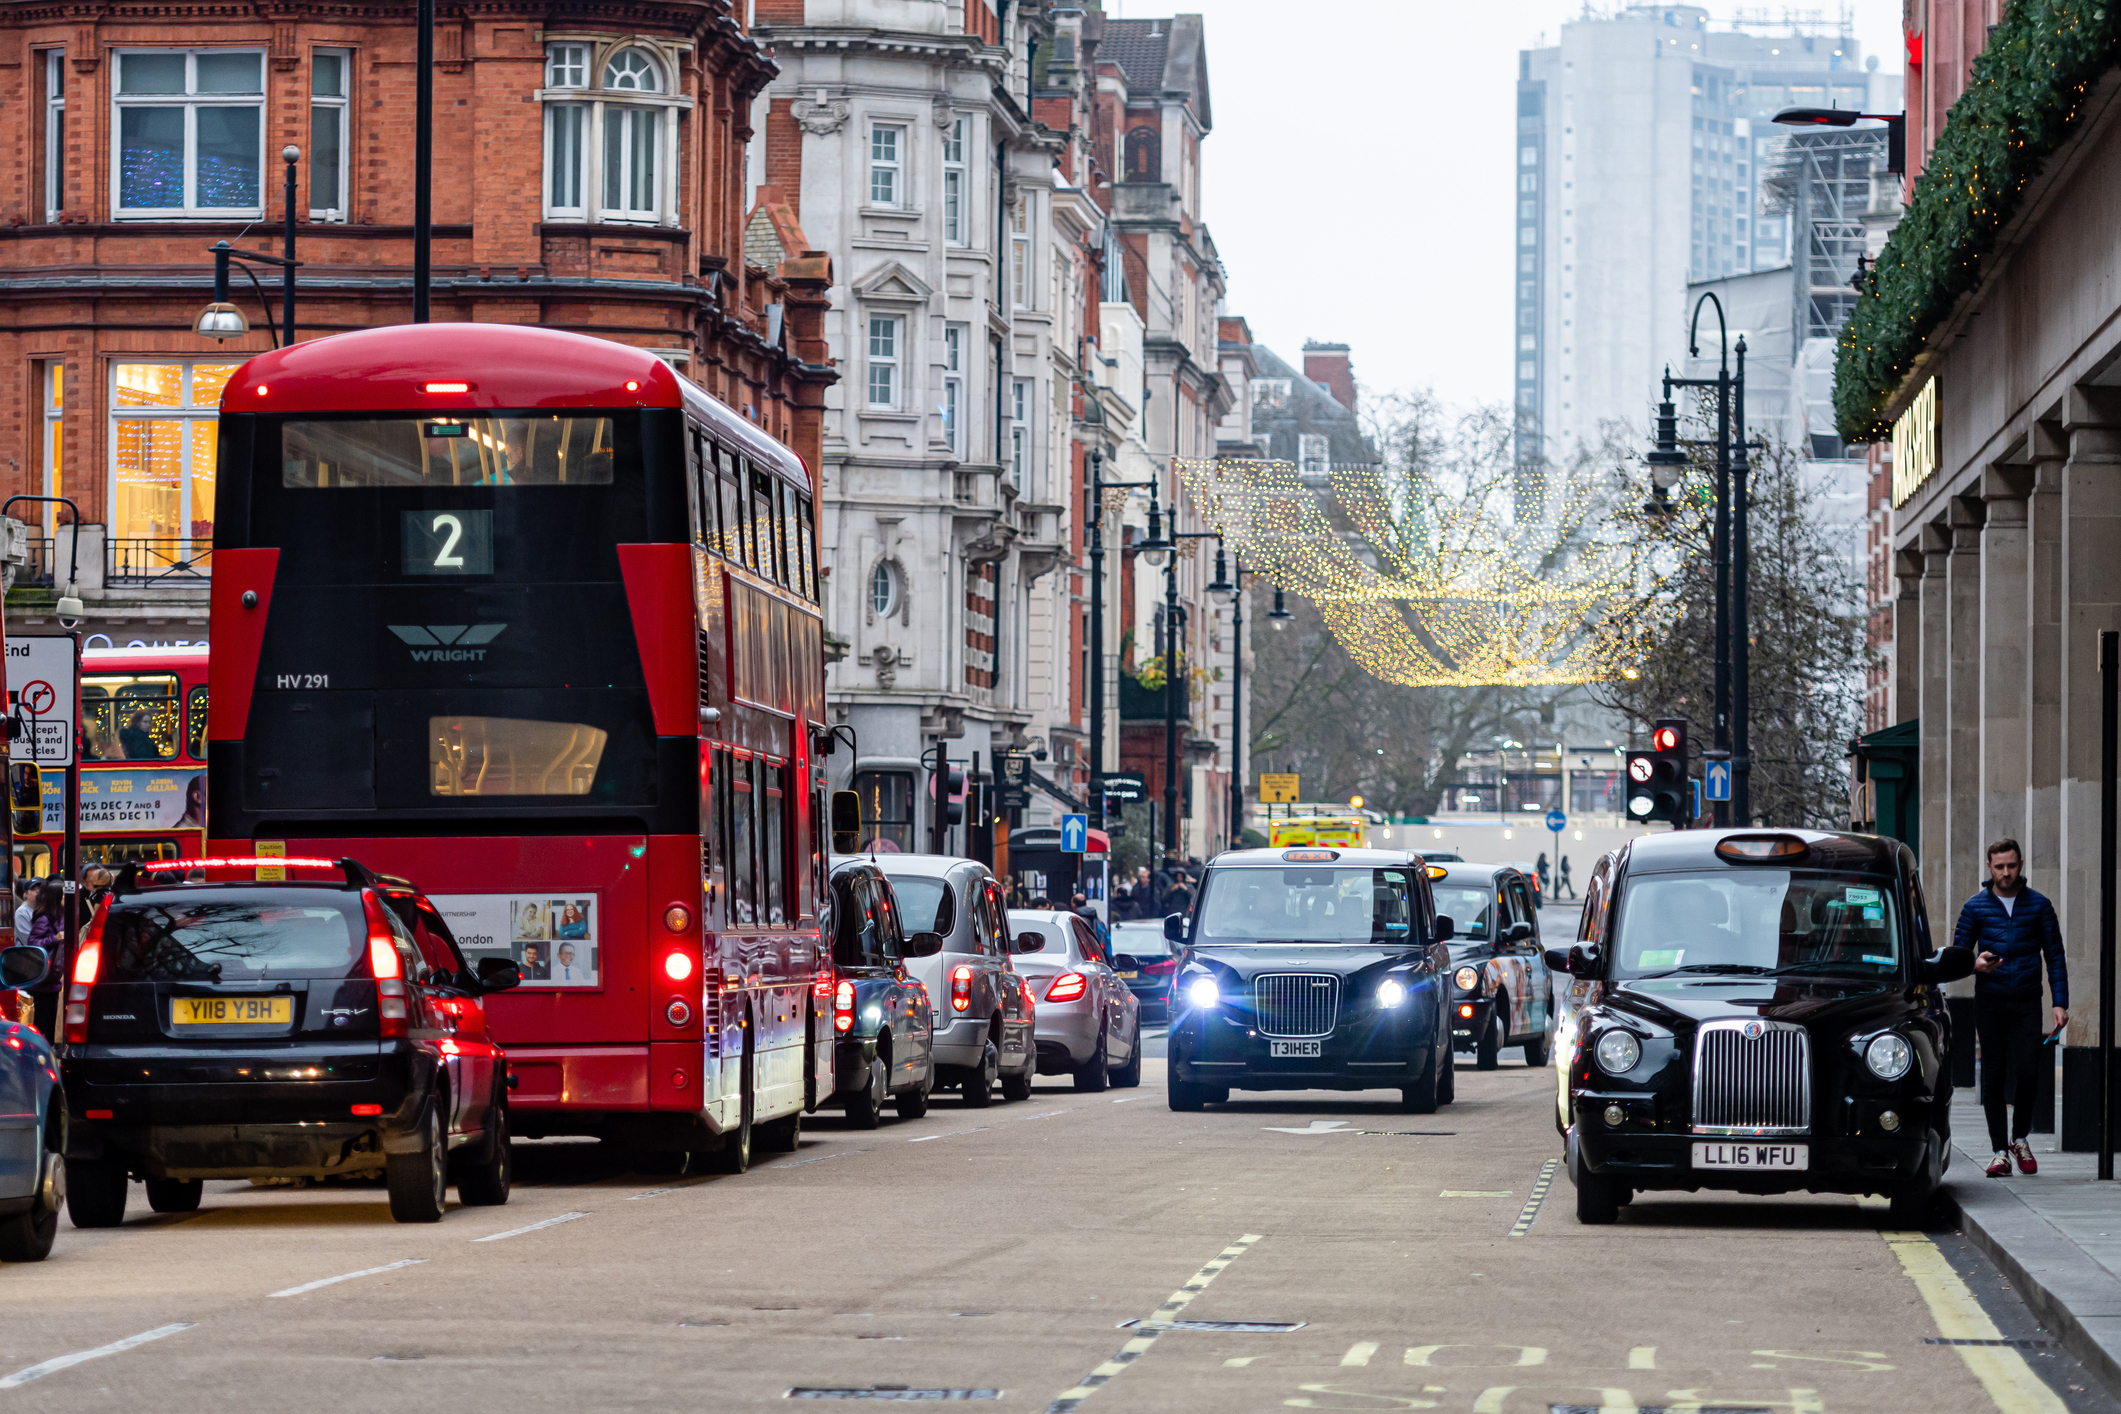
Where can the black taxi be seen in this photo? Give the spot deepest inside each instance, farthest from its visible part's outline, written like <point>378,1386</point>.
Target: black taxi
<point>1763,1016</point>
<point>246,1027</point>
<point>1501,993</point>
<point>1311,969</point>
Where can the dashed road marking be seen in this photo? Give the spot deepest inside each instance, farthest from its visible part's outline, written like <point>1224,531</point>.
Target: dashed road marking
<point>1475,1193</point>
<point>2011,1384</point>
<point>1158,1322</point>
<point>818,1159</point>
<point>659,1192</point>
<point>947,1134</point>
<point>66,1362</point>
<point>1540,1186</point>
<point>519,1231</point>
<point>1359,1353</point>
<point>349,1276</point>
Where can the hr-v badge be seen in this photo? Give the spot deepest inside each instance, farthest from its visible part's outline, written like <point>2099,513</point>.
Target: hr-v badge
<point>447,643</point>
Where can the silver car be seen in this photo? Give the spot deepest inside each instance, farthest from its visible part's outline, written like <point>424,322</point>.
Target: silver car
<point>1089,1024</point>
<point>982,1007</point>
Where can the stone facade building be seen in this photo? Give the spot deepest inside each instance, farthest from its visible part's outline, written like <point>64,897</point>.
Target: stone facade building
<point>588,175</point>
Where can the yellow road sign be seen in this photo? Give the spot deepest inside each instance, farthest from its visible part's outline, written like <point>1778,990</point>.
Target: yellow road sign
<point>1277,787</point>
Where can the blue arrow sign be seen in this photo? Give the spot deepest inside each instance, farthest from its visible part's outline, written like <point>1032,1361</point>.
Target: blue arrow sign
<point>1718,780</point>
<point>1556,821</point>
<point>1075,834</point>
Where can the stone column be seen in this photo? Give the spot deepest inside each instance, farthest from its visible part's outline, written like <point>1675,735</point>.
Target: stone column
<point>1962,779</point>
<point>1904,698</point>
<point>2043,661</point>
<point>1937,546</point>
<point>2002,686</point>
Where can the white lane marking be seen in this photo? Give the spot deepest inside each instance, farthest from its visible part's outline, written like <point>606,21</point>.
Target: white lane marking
<point>1317,1126</point>
<point>950,1134</point>
<point>1475,1193</point>
<point>1130,1099</point>
<point>659,1192</point>
<point>519,1231</point>
<point>349,1276</point>
<point>798,1163</point>
<point>66,1362</point>
<point>1359,1353</point>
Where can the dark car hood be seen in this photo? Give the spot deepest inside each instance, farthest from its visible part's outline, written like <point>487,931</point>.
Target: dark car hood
<point>1685,1002</point>
<point>1249,960</point>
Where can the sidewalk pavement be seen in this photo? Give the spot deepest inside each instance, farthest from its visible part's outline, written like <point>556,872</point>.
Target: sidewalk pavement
<point>2055,1235</point>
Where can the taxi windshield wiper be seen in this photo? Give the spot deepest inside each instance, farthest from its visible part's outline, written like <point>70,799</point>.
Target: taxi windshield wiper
<point>1746,967</point>
<point>1819,964</point>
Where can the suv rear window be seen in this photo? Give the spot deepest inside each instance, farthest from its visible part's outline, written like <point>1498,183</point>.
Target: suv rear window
<point>229,937</point>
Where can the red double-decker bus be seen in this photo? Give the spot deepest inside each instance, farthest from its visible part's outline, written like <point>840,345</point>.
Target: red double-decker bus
<point>529,619</point>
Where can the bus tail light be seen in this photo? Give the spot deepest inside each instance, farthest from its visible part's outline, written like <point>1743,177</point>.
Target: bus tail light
<point>678,1013</point>
<point>961,989</point>
<point>87,963</point>
<point>677,918</point>
<point>388,971</point>
<point>677,966</point>
<point>1068,987</point>
<point>843,1008</point>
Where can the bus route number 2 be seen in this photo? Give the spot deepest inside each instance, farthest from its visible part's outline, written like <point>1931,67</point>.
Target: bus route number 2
<point>448,541</point>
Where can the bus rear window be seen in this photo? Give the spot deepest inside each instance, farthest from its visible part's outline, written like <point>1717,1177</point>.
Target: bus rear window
<point>546,450</point>
<point>511,756</point>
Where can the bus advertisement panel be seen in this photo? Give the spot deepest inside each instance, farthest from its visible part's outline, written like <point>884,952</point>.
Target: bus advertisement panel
<point>529,619</point>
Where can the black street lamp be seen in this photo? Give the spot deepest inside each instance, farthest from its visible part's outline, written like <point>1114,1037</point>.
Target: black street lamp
<point>1174,686</point>
<point>1895,128</point>
<point>1279,615</point>
<point>423,159</point>
<point>1095,516</point>
<point>223,320</point>
<point>1729,546</point>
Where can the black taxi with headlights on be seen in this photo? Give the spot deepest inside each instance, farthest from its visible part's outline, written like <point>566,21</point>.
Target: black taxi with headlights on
<point>1764,1017</point>
<point>1311,969</point>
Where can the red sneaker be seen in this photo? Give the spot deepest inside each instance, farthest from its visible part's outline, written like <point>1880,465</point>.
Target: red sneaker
<point>2023,1153</point>
<point>2000,1166</point>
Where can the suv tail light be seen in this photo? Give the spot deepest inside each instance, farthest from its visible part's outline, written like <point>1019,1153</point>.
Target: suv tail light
<point>961,989</point>
<point>389,972</point>
<point>843,1008</point>
<point>1068,987</point>
<point>86,964</point>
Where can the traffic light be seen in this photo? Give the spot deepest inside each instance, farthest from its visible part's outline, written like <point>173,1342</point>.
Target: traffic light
<point>1657,788</point>
<point>946,782</point>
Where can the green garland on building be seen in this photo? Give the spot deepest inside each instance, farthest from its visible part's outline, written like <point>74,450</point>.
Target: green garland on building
<point>2027,87</point>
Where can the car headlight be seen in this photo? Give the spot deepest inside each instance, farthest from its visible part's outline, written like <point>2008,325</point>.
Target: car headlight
<point>1617,1052</point>
<point>1889,1056</point>
<point>1391,992</point>
<point>1467,979</point>
<point>1203,993</point>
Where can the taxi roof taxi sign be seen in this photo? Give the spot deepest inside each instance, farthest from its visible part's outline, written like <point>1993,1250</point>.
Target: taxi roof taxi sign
<point>1309,856</point>
<point>1761,849</point>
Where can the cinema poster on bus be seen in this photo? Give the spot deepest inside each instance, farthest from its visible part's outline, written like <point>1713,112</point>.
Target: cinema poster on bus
<point>552,936</point>
<point>131,800</point>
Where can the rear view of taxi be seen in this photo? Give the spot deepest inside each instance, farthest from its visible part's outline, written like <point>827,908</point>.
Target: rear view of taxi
<point>237,1028</point>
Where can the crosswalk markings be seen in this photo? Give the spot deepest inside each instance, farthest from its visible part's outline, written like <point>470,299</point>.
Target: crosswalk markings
<point>1158,1322</point>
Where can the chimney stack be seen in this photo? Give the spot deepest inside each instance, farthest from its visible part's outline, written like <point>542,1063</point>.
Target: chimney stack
<point>1328,365</point>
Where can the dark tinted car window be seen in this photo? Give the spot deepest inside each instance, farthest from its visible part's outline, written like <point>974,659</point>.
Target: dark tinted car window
<point>1468,906</point>
<point>855,941</point>
<point>229,938</point>
<point>926,905</point>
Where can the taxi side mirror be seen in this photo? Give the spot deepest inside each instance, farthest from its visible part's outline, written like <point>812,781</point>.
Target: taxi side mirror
<point>1446,927</point>
<point>498,974</point>
<point>1949,965</point>
<point>1517,933</point>
<point>25,797</point>
<point>924,944</point>
<point>1175,927</point>
<point>1575,960</point>
<point>23,966</point>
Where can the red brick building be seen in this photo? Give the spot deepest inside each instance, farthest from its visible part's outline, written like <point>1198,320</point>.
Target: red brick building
<point>588,175</point>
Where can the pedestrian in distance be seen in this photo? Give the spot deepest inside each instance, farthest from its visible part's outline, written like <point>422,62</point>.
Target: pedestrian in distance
<point>1566,889</point>
<point>25,907</point>
<point>47,930</point>
<point>1545,872</point>
<point>2010,928</point>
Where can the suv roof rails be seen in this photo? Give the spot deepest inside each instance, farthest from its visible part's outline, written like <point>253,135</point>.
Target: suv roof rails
<point>357,874</point>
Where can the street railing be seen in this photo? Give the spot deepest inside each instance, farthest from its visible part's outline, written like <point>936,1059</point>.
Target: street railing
<point>149,560</point>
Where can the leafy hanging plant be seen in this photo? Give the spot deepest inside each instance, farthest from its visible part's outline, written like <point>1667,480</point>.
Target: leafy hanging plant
<point>2024,95</point>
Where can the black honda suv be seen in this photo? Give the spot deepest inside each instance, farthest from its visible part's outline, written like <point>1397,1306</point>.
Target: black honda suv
<point>248,1027</point>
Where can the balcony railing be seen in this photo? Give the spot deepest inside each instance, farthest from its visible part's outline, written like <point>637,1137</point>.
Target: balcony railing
<point>36,571</point>
<point>156,560</point>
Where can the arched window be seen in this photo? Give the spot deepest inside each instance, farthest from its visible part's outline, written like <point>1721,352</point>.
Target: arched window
<point>609,132</point>
<point>633,71</point>
<point>883,591</point>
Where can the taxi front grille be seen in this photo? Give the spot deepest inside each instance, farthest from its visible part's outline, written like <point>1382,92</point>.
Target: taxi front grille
<point>1752,1084</point>
<point>1296,1004</point>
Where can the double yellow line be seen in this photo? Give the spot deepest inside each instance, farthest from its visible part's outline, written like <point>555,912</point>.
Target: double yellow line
<point>2002,1369</point>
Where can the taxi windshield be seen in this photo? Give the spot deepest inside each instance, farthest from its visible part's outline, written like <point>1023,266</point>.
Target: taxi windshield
<point>1758,921</point>
<point>1316,905</point>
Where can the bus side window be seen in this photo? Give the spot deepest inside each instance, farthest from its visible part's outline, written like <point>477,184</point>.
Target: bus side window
<point>762,527</point>
<point>699,488</point>
<point>732,523</point>
<point>717,807</point>
<point>743,874</point>
<point>773,847</point>
<point>806,542</point>
<point>195,725</point>
<point>791,568</point>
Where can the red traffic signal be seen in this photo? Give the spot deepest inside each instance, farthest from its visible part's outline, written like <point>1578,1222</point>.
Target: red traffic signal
<point>1667,739</point>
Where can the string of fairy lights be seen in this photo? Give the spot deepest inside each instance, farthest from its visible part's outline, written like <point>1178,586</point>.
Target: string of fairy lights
<point>1425,584</point>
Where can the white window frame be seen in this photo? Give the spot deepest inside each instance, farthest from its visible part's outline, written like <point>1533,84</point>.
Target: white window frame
<point>190,101</point>
<point>884,605</point>
<point>1314,454</point>
<point>957,184</point>
<point>577,76</point>
<point>1019,430</point>
<point>51,397</point>
<point>888,332</point>
<point>189,413</point>
<point>1022,289</point>
<point>887,172</point>
<point>54,134</point>
<point>342,104</point>
<point>955,339</point>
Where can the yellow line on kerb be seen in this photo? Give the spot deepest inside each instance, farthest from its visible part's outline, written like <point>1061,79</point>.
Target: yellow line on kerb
<point>1158,1322</point>
<point>2011,1384</point>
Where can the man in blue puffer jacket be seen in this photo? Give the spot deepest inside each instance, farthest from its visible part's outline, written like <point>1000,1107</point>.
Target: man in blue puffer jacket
<point>2010,928</point>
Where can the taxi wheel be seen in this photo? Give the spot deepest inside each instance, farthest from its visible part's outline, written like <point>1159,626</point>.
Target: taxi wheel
<point>1447,1086</point>
<point>913,1103</point>
<point>95,1193</point>
<point>1094,1075</point>
<point>485,1184</point>
<point>174,1195</point>
<point>1598,1198</point>
<point>419,1182</point>
<point>979,1085</point>
<point>1535,1050</point>
<point>865,1107</point>
<point>1488,1053</point>
<point>1421,1098</point>
<point>1185,1098</point>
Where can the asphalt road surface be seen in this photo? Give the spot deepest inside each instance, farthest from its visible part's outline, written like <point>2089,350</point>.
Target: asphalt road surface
<point>1004,1252</point>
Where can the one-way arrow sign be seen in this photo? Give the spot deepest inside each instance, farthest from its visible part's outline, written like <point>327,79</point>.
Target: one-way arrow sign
<point>1717,780</point>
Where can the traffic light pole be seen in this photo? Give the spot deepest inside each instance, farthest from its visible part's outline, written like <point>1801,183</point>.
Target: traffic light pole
<point>1094,519</point>
<point>939,784</point>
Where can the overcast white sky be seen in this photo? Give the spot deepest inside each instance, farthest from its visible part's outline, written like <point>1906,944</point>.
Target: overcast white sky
<point>1358,181</point>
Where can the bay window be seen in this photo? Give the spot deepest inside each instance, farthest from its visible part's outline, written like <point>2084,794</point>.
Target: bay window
<point>189,133</point>
<point>163,426</point>
<point>610,133</point>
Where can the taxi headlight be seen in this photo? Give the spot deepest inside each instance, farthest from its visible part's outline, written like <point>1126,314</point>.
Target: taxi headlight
<point>1617,1052</point>
<point>1202,992</point>
<point>1467,979</point>
<point>1391,992</point>
<point>1889,1056</point>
